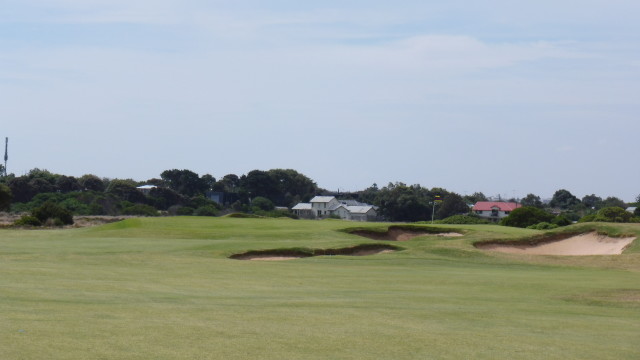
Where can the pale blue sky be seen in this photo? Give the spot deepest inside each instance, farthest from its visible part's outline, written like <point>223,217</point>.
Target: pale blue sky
<point>502,97</point>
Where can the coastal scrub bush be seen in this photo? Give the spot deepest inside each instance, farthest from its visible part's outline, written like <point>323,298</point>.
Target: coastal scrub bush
<point>51,211</point>
<point>27,220</point>
<point>207,210</point>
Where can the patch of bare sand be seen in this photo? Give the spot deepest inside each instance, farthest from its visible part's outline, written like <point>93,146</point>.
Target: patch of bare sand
<point>579,245</point>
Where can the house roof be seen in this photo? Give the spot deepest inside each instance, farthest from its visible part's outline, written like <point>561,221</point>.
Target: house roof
<point>302,206</point>
<point>352,203</point>
<point>146,187</point>
<point>490,205</point>
<point>322,199</point>
<point>360,209</point>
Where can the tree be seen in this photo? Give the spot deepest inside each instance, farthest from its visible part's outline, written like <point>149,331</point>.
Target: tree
<point>475,197</point>
<point>91,182</point>
<point>262,203</point>
<point>614,201</point>
<point>260,183</point>
<point>126,190</point>
<point>399,202</point>
<point>185,182</point>
<point>453,204</point>
<point>526,216</point>
<point>21,189</point>
<point>592,201</point>
<point>532,200</point>
<point>5,197</point>
<point>67,184</point>
<point>563,199</point>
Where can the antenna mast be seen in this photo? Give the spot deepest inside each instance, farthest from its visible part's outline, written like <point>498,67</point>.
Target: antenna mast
<point>6,154</point>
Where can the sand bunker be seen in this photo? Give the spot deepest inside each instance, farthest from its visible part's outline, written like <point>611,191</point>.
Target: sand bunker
<point>398,234</point>
<point>579,245</point>
<point>278,255</point>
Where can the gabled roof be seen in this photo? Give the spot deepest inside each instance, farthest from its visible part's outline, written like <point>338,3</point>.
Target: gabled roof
<point>322,199</point>
<point>490,205</point>
<point>352,203</point>
<point>360,209</point>
<point>302,206</point>
<point>146,187</point>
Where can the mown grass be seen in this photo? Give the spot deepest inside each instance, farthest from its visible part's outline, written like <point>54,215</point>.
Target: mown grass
<point>164,288</point>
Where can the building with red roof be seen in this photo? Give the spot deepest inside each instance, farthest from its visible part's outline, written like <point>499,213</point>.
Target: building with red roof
<point>494,210</point>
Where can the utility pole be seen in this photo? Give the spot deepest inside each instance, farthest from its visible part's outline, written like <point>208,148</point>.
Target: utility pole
<point>6,154</point>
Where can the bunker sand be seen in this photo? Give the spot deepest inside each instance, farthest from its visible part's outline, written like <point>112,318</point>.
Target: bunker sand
<point>580,245</point>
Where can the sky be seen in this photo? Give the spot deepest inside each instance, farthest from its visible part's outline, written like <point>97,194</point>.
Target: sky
<point>503,97</point>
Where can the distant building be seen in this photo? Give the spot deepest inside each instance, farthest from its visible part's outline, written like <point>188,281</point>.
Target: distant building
<point>494,210</point>
<point>326,206</point>
<point>146,189</point>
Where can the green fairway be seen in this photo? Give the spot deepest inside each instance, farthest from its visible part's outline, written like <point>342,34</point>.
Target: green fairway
<point>164,288</point>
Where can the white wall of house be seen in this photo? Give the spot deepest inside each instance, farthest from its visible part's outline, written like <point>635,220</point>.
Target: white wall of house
<point>495,214</point>
<point>322,204</point>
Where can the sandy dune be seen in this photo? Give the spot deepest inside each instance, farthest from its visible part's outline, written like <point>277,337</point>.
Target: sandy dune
<point>585,244</point>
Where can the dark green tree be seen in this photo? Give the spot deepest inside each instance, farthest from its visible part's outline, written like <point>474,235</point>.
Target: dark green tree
<point>5,197</point>
<point>262,203</point>
<point>612,201</point>
<point>532,200</point>
<point>66,184</point>
<point>186,182</point>
<point>453,204</point>
<point>592,201</point>
<point>126,190</point>
<point>563,199</point>
<point>91,182</point>
<point>475,197</point>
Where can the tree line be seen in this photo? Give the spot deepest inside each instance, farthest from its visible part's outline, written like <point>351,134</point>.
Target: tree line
<point>267,193</point>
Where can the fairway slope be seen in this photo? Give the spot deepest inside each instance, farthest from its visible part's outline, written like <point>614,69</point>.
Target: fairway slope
<point>590,243</point>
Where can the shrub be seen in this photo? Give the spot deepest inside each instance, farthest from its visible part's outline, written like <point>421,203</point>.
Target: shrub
<point>185,211</point>
<point>526,216</point>
<point>140,209</point>
<point>613,214</point>
<point>561,220</point>
<point>543,226</point>
<point>587,218</point>
<point>463,219</point>
<point>27,220</point>
<point>262,203</point>
<point>50,210</point>
<point>207,210</point>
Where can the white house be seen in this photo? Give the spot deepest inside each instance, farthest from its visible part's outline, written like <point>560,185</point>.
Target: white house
<point>326,206</point>
<point>494,210</point>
